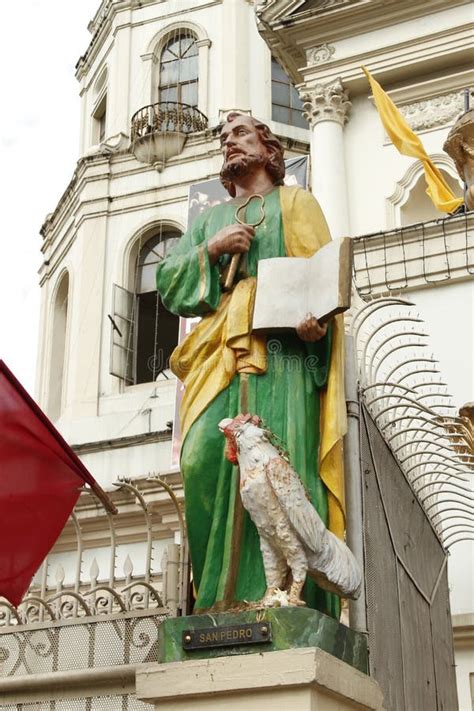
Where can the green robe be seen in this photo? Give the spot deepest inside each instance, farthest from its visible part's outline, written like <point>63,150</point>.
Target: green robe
<point>286,397</point>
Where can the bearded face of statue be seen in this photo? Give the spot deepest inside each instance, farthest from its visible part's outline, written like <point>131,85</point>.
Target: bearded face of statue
<point>242,148</point>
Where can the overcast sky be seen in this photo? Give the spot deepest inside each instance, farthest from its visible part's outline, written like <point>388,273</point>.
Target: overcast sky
<point>40,43</point>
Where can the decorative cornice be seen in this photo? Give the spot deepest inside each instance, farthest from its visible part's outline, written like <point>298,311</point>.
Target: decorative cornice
<point>205,42</point>
<point>434,112</point>
<point>287,10</point>
<point>463,630</point>
<point>319,55</point>
<point>336,19</point>
<point>326,102</point>
<point>390,61</point>
<point>122,442</point>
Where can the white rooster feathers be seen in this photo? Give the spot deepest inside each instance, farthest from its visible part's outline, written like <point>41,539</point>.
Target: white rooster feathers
<point>292,534</point>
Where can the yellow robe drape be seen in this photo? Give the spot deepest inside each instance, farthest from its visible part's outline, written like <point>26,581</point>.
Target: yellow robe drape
<point>222,345</point>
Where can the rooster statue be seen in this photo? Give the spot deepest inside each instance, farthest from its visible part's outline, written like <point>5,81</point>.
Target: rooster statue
<point>292,534</point>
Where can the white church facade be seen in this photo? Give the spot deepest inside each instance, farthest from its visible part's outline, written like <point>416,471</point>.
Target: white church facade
<point>105,337</point>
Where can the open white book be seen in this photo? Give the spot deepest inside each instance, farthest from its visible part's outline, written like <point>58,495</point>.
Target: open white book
<point>288,288</point>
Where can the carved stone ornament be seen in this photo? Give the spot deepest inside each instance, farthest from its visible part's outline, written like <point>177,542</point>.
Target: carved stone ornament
<point>326,102</point>
<point>319,55</point>
<point>460,146</point>
<point>430,113</point>
<point>118,143</point>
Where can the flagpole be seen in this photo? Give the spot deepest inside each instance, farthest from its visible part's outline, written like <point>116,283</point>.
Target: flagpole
<point>103,497</point>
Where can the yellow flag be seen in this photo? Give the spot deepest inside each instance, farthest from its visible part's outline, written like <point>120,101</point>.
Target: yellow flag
<point>408,143</point>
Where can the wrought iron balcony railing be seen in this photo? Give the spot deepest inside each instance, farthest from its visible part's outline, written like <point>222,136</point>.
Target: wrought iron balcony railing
<point>167,116</point>
<point>159,131</point>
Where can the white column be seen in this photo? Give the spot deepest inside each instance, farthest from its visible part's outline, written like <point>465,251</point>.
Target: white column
<point>326,108</point>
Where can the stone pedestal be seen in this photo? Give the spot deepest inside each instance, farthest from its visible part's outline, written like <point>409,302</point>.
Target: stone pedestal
<point>297,679</point>
<point>289,628</point>
<point>296,659</point>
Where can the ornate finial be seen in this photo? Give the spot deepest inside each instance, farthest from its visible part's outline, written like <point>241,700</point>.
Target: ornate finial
<point>94,571</point>
<point>128,567</point>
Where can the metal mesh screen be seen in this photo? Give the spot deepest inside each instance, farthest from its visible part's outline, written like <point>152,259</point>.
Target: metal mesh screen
<point>124,702</point>
<point>65,647</point>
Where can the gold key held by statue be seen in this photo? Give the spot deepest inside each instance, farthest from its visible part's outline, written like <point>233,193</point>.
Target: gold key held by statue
<point>235,261</point>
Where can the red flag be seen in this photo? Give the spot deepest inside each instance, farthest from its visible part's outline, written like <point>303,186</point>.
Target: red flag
<point>40,478</point>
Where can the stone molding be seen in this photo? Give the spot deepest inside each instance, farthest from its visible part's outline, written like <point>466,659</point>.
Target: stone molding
<point>407,182</point>
<point>321,54</point>
<point>434,112</point>
<point>76,683</point>
<point>326,102</point>
<point>118,143</point>
<point>337,19</point>
<point>276,10</point>
<point>412,57</point>
<point>463,630</point>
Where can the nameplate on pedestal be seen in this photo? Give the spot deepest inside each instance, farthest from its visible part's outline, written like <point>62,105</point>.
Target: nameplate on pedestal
<point>227,635</point>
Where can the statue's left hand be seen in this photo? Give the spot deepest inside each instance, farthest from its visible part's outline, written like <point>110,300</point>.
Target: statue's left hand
<point>311,330</point>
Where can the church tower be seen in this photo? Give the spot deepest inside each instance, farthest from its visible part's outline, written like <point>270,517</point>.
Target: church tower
<point>155,82</point>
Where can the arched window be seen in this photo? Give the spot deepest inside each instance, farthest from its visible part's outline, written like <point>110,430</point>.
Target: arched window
<point>144,333</point>
<point>179,69</point>
<point>286,103</point>
<point>419,207</point>
<point>58,348</point>
<point>409,203</point>
<point>156,329</point>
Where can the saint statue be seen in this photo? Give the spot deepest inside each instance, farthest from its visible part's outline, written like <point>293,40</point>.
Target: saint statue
<point>293,380</point>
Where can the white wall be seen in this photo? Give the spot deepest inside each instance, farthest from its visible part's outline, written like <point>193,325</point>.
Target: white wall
<point>449,314</point>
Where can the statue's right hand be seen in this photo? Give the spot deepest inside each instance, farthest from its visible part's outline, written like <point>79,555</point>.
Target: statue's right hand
<point>233,239</point>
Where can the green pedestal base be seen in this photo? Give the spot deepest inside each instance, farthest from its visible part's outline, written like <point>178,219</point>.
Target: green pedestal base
<point>292,628</point>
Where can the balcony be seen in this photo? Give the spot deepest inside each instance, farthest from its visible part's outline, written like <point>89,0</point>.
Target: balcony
<point>415,256</point>
<point>159,131</point>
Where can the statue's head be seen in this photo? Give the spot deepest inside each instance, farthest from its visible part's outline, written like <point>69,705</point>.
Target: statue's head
<point>460,146</point>
<point>248,144</point>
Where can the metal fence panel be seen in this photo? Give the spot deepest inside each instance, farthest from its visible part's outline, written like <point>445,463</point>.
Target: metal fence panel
<point>383,620</point>
<point>123,702</point>
<point>91,643</point>
<point>417,646</point>
<point>443,645</point>
<point>408,615</point>
<point>412,535</point>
